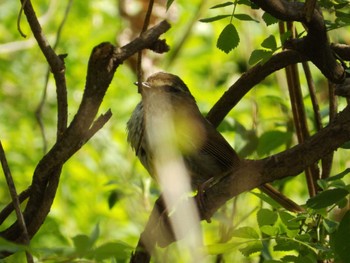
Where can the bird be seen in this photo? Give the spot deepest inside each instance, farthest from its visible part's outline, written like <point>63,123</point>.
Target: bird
<point>205,152</point>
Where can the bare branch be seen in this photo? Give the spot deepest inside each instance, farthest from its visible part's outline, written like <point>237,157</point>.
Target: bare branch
<point>253,173</point>
<point>315,45</point>
<point>248,80</point>
<point>104,60</point>
<point>15,201</point>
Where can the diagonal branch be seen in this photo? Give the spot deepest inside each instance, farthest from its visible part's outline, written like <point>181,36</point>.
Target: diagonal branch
<point>248,80</point>
<point>104,60</point>
<point>253,173</point>
<point>315,46</point>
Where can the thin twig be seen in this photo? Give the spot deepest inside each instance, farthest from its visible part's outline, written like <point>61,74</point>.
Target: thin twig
<point>313,97</point>
<point>182,40</point>
<point>7,210</point>
<point>139,54</point>
<point>14,197</point>
<point>299,115</point>
<point>39,110</point>
<point>19,19</point>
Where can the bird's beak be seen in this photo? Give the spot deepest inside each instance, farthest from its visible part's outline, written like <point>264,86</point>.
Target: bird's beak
<point>143,84</point>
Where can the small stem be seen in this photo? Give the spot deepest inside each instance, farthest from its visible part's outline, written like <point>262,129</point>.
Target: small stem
<point>233,11</point>
<point>14,196</point>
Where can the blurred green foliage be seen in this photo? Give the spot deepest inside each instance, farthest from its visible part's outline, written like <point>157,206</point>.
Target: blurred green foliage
<point>105,195</point>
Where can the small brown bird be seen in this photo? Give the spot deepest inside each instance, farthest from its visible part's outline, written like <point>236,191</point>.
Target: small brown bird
<point>206,154</point>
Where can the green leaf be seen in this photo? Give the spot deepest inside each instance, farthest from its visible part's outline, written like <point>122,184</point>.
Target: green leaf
<point>338,176</point>
<point>251,248</point>
<point>244,2</point>
<point>269,230</point>
<point>245,232</point>
<point>6,245</point>
<point>285,36</point>
<point>212,19</point>
<point>270,43</point>
<point>269,19</point>
<point>271,140</point>
<point>289,220</point>
<point>118,250</point>
<point>222,5</point>
<point>266,217</point>
<point>267,199</point>
<point>82,244</point>
<point>228,39</point>
<point>168,4</point>
<point>259,55</point>
<point>113,198</point>
<point>346,145</point>
<point>327,198</point>
<point>283,244</point>
<point>245,17</point>
<point>221,248</point>
<point>322,183</point>
<point>330,225</point>
<point>341,238</point>
<point>94,234</point>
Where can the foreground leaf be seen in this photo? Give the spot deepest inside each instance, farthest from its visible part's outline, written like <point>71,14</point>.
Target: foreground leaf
<point>222,5</point>
<point>214,18</point>
<point>327,198</point>
<point>341,238</point>
<point>228,39</point>
<point>245,232</point>
<point>251,248</point>
<point>259,55</point>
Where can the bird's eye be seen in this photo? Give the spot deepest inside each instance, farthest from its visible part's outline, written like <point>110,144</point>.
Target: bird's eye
<point>173,89</point>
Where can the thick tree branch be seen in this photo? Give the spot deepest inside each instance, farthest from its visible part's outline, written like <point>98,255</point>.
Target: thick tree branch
<point>315,45</point>
<point>104,60</point>
<point>253,173</point>
<point>248,80</point>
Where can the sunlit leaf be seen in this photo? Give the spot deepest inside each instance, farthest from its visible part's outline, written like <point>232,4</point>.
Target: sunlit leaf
<point>251,248</point>
<point>228,39</point>
<point>266,217</point>
<point>245,232</point>
<point>269,230</point>
<point>118,250</point>
<point>221,248</point>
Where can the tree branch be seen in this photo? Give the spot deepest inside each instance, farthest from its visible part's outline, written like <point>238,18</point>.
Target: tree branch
<point>253,173</point>
<point>104,60</point>
<point>315,45</point>
<point>248,80</point>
